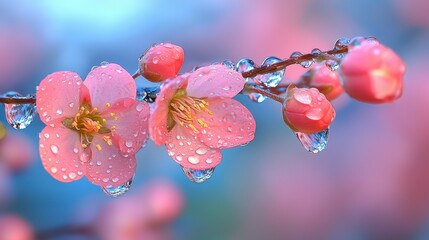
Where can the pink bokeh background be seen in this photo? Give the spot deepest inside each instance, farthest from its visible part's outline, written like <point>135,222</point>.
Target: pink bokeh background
<point>370,183</point>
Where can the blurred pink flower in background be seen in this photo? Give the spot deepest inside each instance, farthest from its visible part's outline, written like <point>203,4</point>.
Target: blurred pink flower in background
<point>144,215</point>
<point>17,151</point>
<point>13,227</point>
<point>20,50</point>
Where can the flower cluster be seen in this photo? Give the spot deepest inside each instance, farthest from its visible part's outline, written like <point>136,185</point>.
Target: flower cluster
<point>95,127</point>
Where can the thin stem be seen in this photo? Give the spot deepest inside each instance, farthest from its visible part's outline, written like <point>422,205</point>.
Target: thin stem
<point>251,89</point>
<point>283,64</point>
<point>136,74</point>
<point>18,100</point>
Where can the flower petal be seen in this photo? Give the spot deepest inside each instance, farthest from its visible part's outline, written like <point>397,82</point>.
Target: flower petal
<point>128,120</point>
<point>58,96</point>
<point>187,151</point>
<point>158,118</point>
<point>230,125</point>
<point>60,151</point>
<point>108,166</point>
<point>215,81</point>
<point>109,83</point>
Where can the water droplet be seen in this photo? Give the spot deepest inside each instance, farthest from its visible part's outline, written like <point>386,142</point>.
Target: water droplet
<point>19,116</point>
<point>198,176</point>
<point>270,79</point>
<point>341,43</point>
<point>201,151</point>
<point>314,114</point>
<point>302,97</point>
<point>245,65</point>
<point>54,170</point>
<point>139,107</point>
<point>46,135</point>
<point>306,64</point>
<point>193,159</point>
<point>155,60</point>
<point>59,112</point>
<point>129,143</point>
<point>104,64</point>
<point>119,190</point>
<point>317,53</point>
<point>314,142</point>
<point>295,55</point>
<point>54,149</point>
<point>229,64</point>
<point>71,104</point>
<point>332,65</point>
<point>75,150</point>
<point>72,175</point>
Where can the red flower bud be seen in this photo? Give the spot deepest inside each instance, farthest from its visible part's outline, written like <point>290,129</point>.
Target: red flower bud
<point>372,73</point>
<point>161,62</point>
<point>307,110</point>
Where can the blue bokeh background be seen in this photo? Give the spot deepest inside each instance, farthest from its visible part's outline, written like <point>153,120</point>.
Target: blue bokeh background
<point>370,182</point>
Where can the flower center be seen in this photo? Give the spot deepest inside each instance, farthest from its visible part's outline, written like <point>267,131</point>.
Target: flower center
<point>88,123</point>
<point>184,109</point>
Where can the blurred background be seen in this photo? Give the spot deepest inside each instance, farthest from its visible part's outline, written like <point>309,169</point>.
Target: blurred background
<point>371,182</point>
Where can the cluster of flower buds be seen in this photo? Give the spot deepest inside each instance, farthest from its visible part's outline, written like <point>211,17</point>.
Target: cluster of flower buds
<point>95,127</point>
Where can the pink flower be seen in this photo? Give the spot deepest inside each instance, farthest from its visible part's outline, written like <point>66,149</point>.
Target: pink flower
<point>307,110</point>
<point>195,116</point>
<point>372,73</point>
<point>94,127</point>
<point>325,80</point>
<point>161,61</point>
<point>13,227</point>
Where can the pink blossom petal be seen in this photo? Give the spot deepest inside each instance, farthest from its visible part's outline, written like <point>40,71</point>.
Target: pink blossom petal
<point>230,125</point>
<point>215,81</point>
<point>109,83</point>
<point>187,151</point>
<point>108,166</point>
<point>130,120</point>
<point>60,151</point>
<point>58,96</point>
<point>158,118</point>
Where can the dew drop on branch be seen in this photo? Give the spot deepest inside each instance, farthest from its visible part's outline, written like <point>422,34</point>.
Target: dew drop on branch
<point>314,142</point>
<point>270,79</point>
<point>198,176</point>
<point>119,190</point>
<point>19,116</point>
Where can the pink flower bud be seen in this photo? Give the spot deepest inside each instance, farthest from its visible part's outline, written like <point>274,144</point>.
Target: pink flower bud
<point>13,227</point>
<point>372,73</point>
<point>161,62</point>
<point>307,110</point>
<point>325,80</point>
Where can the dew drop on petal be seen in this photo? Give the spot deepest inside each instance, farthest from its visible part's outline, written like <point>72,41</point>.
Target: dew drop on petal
<point>54,170</point>
<point>198,176</point>
<point>314,113</point>
<point>72,175</point>
<point>201,151</point>
<point>119,190</point>
<point>314,142</point>
<point>303,97</point>
<point>193,159</point>
<point>54,149</point>
<point>129,143</point>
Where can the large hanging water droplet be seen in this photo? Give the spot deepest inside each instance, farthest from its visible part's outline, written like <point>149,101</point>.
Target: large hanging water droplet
<point>119,190</point>
<point>314,142</point>
<point>341,43</point>
<point>229,64</point>
<point>245,65</point>
<point>357,41</point>
<point>270,79</point>
<point>198,176</point>
<point>332,65</point>
<point>19,116</point>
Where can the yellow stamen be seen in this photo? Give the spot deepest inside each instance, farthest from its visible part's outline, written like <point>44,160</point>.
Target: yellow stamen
<point>98,147</point>
<point>112,114</point>
<point>107,104</point>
